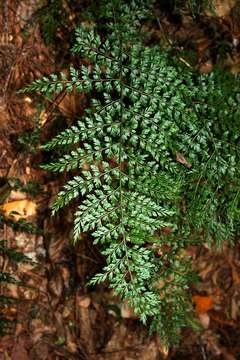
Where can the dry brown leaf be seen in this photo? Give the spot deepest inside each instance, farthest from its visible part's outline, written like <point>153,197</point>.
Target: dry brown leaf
<point>71,344</point>
<point>84,302</point>
<point>204,273</point>
<point>66,312</point>
<point>84,320</point>
<point>13,290</point>
<point>16,195</point>
<point>233,64</point>
<point>206,67</point>
<point>204,320</point>
<point>210,339</point>
<point>166,230</point>
<point>86,166</point>
<point>163,348</point>
<point>127,312</point>
<point>65,272</point>
<point>235,276</point>
<point>202,44</point>
<point>19,351</point>
<point>221,7</point>
<point>55,287</point>
<point>6,342</point>
<point>203,303</point>
<point>18,329</point>
<point>72,104</point>
<point>6,356</point>
<point>43,117</point>
<point>150,351</point>
<point>20,209</point>
<point>40,351</point>
<point>55,249</point>
<point>181,159</point>
<point>234,309</point>
<point>39,329</point>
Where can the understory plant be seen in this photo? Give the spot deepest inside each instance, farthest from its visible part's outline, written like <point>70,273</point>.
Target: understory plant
<point>11,256</point>
<point>154,162</point>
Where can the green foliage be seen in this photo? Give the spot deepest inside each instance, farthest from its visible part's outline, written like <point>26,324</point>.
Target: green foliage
<point>16,257</point>
<point>57,19</point>
<point>194,6</point>
<point>29,140</point>
<point>5,325</point>
<point>22,225</point>
<point>158,149</point>
<point>51,17</point>
<point>12,256</point>
<point>31,187</point>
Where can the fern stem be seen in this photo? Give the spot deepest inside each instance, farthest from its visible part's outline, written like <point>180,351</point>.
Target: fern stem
<point>120,142</point>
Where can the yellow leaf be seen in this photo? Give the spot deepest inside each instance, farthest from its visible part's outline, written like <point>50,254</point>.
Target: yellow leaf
<point>43,117</point>
<point>19,209</point>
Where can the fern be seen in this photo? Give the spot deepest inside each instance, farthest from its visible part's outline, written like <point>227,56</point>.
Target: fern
<point>147,112</point>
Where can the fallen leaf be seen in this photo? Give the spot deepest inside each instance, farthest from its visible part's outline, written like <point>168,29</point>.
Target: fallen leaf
<point>166,230</point>
<point>211,342</point>
<point>43,117</point>
<point>202,44</point>
<point>17,195</point>
<point>206,67</point>
<point>221,8</point>
<point>127,312</point>
<point>86,331</point>
<point>40,351</point>
<point>84,302</point>
<point>235,276</point>
<point>72,104</point>
<point>150,351</point>
<point>181,159</point>
<point>55,287</point>
<point>6,343</point>
<point>203,303</point>
<point>204,273</point>
<point>204,320</point>
<point>66,312</point>
<point>18,329</point>
<point>71,342</point>
<point>39,329</point>
<point>19,209</point>
<point>55,249</point>
<point>234,309</point>
<point>19,351</point>
<point>163,348</point>
<point>6,356</point>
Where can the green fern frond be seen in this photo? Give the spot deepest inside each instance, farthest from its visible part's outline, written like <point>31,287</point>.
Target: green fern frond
<point>157,148</point>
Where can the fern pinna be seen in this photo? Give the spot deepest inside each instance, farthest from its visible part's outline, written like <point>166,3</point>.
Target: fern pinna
<point>160,159</point>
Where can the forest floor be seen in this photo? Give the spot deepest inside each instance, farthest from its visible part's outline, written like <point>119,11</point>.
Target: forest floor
<point>58,317</point>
